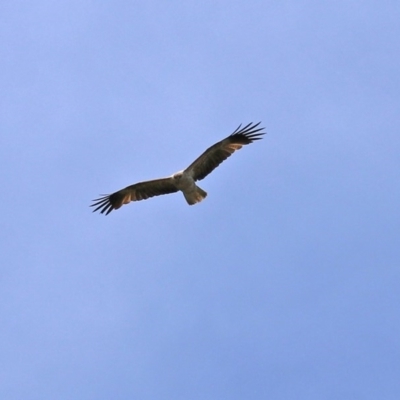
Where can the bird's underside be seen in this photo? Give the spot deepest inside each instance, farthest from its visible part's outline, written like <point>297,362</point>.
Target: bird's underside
<point>184,181</point>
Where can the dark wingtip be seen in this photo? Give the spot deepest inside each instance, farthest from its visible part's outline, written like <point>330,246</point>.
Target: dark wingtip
<point>103,204</point>
<point>249,133</point>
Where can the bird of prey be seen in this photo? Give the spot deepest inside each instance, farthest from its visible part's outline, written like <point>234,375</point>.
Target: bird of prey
<point>183,180</point>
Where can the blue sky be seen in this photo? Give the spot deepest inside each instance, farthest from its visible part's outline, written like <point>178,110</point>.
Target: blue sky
<point>283,283</point>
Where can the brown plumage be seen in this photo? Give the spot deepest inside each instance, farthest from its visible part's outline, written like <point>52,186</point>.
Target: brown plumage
<point>183,180</point>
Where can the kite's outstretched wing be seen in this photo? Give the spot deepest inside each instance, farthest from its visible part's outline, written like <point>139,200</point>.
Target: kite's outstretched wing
<point>136,192</point>
<point>220,151</point>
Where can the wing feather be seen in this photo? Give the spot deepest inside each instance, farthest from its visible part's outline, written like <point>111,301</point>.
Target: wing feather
<point>220,151</point>
<point>136,192</point>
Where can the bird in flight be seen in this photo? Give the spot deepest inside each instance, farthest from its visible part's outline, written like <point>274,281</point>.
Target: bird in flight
<point>185,180</point>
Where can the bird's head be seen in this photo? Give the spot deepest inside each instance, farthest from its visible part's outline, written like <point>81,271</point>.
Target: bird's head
<point>177,176</point>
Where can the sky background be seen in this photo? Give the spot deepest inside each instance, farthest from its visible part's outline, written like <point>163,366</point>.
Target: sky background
<point>283,284</point>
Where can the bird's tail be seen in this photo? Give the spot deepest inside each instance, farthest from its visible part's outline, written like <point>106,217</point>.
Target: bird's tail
<point>195,196</point>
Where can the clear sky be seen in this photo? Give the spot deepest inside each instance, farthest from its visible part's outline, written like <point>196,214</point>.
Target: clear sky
<point>283,284</point>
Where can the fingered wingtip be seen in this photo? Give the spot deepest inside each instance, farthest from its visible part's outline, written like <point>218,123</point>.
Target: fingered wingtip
<point>249,132</point>
<point>103,204</point>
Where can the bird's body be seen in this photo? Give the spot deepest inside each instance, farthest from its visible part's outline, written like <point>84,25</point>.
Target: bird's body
<point>185,180</point>
<point>186,184</point>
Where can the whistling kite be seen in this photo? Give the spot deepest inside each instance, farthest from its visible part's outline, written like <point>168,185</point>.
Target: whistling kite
<point>183,180</point>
